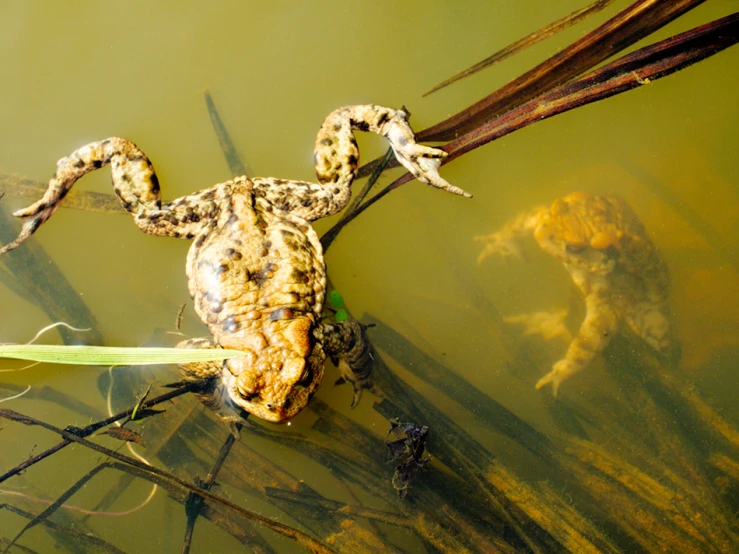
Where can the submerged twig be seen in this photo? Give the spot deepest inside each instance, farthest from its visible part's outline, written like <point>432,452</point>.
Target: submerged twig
<point>636,21</point>
<point>236,165</point>
<point>90,429</point>
<point>194,502</point>
<point>78,199</point>
<point>84,537</point>
<point>301,538</point>
<point>328,237</point>
<point>529,40</point>
<point>631,71</point>
<point>44,282</point>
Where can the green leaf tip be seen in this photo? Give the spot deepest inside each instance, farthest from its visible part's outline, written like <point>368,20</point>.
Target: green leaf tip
<point>113,355</point>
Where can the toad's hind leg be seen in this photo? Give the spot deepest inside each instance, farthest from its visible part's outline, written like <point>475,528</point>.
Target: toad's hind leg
<point>211,390</point>
<point>336,158</point>
<point>347,345</point>
<point>134,180</point>
<point>336,153</point>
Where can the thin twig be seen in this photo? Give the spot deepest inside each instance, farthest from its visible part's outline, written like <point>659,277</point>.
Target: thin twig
<point>301,538</point>
<point>328,237</point>
<point>86,431</point>
<point>634,70</point>
<point>46,284</point>
<point>636,21</point>
<point>236,165</point>
<point>92,540</point>
<point>194,502</point>
<point>319,502</point>
<point>529,40</point>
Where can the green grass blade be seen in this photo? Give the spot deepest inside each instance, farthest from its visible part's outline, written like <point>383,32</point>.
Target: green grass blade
<point>105,355</point>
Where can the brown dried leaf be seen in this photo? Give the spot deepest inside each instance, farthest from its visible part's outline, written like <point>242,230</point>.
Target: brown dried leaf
<point>529,40</point>
<point>123,434</point>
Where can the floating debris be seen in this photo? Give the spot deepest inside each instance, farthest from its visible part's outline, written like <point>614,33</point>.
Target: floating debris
<point>123,434</point>
<point>409,447</point>
<point>178,319</point>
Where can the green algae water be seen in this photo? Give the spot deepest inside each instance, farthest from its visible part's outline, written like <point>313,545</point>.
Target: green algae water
<point>514,469</point>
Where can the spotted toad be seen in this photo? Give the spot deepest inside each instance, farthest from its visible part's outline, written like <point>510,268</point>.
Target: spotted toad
<point>608,255</point>
<point>255,269</point>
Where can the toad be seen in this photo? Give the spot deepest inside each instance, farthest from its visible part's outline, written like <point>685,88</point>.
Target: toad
<point>255,269</point>
<point>605,249</point>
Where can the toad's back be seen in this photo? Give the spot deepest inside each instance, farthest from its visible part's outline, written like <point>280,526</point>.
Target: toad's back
<point>258,281</point>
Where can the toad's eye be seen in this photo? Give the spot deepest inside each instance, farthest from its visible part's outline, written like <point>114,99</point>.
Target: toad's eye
<point>249,397</point>
<point>575,248</point>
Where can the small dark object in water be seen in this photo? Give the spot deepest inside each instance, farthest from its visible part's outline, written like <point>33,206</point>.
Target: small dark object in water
<point>147,412</point>
<point>409,447</point>
<point>178,319</point>
<point>123,434</point>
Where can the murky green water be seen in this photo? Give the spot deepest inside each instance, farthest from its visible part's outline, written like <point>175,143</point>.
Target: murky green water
<point>76,72</point>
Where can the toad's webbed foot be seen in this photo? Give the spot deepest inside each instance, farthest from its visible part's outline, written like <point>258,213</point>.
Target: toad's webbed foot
<point>347,345</point>
<point>549,325</point>
<point>336,152</point>
<point>498,243</point>
<point>422,161</point>
<point>561,371</point>
<point>336,159</point>
<point>506,241</point>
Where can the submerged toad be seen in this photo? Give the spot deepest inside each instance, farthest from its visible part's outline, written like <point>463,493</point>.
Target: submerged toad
<point>255,269</point>
<point>605,248</point>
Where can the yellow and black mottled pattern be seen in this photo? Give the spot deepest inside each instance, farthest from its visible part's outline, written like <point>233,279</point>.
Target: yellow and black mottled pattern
<point>255,269</point>
<point>610,258</point>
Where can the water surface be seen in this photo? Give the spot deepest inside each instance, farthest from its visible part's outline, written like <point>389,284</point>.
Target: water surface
<point>76,72</point>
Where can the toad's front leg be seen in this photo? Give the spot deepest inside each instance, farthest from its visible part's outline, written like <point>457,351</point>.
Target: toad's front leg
<point>600,322</point>
<point>210,387</point>
<point>136,186</point>
<point>506,241</point>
